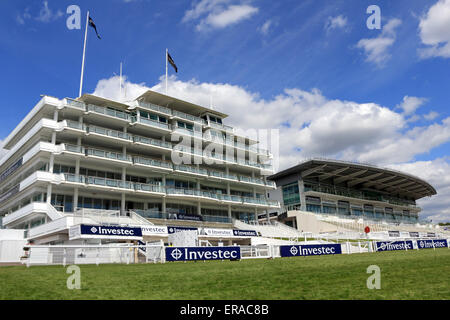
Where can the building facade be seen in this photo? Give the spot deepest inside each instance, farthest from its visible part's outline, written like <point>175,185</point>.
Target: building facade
<point>349,189</point>
<point>156,156</point>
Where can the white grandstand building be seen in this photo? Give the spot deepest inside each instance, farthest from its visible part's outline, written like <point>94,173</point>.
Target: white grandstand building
<point>340,197</point>
<point>92,172</point>
<point>93,161</point>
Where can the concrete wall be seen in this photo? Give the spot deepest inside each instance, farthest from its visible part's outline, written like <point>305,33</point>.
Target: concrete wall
<point>307,222</point>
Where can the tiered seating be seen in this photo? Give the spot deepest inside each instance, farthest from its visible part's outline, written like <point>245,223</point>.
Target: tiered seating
<point>274,230</point>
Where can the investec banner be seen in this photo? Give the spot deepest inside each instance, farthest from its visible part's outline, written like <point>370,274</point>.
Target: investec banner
<point>427,244</point>
<point>310,250</point>
<point>218,232</point>
<point>105,232</point>
<point>172,229</point>
<point>395,245</point>
<point>154,230</point>
<point>202,253</point>
<point>245,233</point>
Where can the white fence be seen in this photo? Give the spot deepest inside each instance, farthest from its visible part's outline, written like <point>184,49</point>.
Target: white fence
<point>93,254</point>
<point>155,252</point>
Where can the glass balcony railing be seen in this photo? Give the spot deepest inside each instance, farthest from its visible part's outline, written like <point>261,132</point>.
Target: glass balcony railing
<point>184,149</point>
<point>74,178</point>
<point>192,133</point>
<point>251,180</point>
<point>109,132</point>
<point>109,112</point>
<point>76,104</point>
<point>271,183</point>
<point>155,107</point>
<point>109,182</point>
<point>190,169</point>
<point>74,124</point>
<point>220,126</point>
<point>186,116</point>
<point>154,142</point>
<point>150,122</point>
<point>108,154</point>
<point>152,162</point>
<point>74,148</point>
<point>352,193</point>
<point>149,187</point>
<point>226,197</point>
<point>220,219</point>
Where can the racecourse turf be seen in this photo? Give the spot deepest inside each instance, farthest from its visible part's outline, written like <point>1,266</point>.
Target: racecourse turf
<point>412,274</point>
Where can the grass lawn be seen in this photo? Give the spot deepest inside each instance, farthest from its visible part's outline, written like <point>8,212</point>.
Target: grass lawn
<point>423,274</point>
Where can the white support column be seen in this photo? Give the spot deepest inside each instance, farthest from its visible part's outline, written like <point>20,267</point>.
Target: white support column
<point>52,163</point>
<point>229,211</point>
<point>122,204</point>
<point>75,199</point>
<point>49,193</point>
<point>199,208</point>
<point>163,206</point>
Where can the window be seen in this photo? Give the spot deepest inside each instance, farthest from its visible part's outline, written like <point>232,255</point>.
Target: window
<point>291,194</point>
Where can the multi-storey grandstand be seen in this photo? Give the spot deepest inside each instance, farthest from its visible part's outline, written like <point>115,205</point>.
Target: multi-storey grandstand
<point>92,172</point>
<point>332,196</point>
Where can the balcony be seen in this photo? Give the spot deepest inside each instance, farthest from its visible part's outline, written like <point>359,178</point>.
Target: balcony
<point>353,193</point>
<point>222,175</point>
<point>109,133</point>
<point>220,126</point>
<point>251,180</point>
<point>75,104</point>
<point>108,112</point>
<point>74,148</point>
<point>150,122</point>
<point>154,107</point>
<point>153,142</point>
<point>111,183</point>
<point>74,124</point>
<point>107,154</point>
<point>190,169</point>
<point>189,117</point>
<point>148,187</point>
<point>152,162</point>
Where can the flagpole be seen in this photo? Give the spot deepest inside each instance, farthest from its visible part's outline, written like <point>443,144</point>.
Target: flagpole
<point>84,54</point>
<point>166,69</point>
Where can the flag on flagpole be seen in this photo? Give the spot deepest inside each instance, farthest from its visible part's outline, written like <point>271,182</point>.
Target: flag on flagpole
<point>92,24</point>
<point>169,58</point>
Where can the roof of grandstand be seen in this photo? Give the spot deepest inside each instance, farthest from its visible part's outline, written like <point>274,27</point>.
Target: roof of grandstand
<point>361,175</point>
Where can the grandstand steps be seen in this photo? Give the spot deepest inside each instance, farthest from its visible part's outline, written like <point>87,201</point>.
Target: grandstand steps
<point>189,223</point>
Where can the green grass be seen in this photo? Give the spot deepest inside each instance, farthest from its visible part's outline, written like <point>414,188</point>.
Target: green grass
<point>423,274</point>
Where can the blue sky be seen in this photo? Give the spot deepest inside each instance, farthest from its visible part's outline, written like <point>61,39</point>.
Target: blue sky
<point>263,48</point>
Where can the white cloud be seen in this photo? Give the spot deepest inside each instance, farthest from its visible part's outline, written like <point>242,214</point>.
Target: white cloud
<point>264,29</point>
<point>309,124</point>
<point>21,18</point>
<point>218,14</point>
<point>46,14</point>
<point>337,22</point>
<point>376,49</point>
<point>409,105</point>
<point>437,173</point>
<point>431,115</point>
<point>433,31</point>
